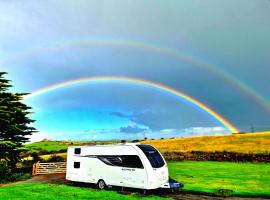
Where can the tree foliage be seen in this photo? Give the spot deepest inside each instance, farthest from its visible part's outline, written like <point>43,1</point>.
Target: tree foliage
<point>14,122</point>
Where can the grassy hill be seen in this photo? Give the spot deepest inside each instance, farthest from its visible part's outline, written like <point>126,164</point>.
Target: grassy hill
<point>47,147</point>
<point>240,143</point>
<point>173,149</point>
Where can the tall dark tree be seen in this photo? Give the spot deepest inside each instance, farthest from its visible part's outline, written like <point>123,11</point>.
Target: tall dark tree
<point>14,122</point>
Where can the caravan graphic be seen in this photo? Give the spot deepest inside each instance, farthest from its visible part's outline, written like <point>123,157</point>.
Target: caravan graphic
<point>124,165</point>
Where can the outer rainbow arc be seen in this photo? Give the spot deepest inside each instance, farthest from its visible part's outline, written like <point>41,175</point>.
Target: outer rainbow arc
<point>190,99</point>
<point>157,48</point>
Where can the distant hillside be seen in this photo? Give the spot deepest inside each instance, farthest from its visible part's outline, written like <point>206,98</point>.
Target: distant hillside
<point>47,147</point>
<point>239,143</point>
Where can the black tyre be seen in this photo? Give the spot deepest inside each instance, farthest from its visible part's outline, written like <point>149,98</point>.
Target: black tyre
<point>144,192</point>
<point>101,185</point>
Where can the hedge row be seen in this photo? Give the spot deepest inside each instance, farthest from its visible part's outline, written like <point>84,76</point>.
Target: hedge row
<point>217,156</point>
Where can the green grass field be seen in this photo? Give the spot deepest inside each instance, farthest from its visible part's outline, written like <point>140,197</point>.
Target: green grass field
<point>49,192</point>
<point>245,179</point>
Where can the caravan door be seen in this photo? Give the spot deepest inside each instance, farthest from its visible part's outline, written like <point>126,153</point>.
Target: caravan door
<point>110,170</point>
<point>133,172</point>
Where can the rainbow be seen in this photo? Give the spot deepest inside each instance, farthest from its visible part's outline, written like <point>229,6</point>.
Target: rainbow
<point>162,87</point>
<point>66,44</point>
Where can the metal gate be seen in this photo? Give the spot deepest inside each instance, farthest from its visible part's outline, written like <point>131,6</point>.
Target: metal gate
<point>49,168</point>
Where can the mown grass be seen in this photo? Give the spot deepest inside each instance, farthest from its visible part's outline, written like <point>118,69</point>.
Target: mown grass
<point>240,143</point>
<point>63,192</point>
<point>244,179</point>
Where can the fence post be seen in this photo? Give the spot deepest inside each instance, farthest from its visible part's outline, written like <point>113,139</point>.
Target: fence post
<point>34,169</point>
<point>35,166</point>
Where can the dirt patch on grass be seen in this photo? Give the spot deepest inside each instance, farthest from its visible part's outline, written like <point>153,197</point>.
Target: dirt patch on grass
<point>48,178</point>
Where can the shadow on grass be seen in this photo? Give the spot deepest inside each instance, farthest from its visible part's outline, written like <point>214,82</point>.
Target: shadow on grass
<point>124,190</point>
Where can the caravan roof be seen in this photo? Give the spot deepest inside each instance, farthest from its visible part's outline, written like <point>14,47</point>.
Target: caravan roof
<point>118,149</point>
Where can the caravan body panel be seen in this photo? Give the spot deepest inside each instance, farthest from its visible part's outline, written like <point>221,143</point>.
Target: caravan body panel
<point>123,165</point>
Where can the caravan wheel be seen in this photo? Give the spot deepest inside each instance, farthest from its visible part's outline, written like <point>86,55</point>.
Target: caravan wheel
<point>101,184</point>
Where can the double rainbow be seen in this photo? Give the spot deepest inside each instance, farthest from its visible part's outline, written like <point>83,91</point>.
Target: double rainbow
<point>114,42</point>
<point>136,81</point>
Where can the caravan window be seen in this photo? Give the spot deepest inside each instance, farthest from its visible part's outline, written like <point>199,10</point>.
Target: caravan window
<point>111,160</point>
<point>132,161</point>
<point>76,165</point>
<point>153,156</point>
<point>77,150</point>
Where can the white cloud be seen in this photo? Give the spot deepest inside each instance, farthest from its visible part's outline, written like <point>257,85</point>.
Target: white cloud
<point>107,134</point>
<point>168,130</point>
<point>202,131</point>
<point>207,130</point>
<point>36,137</point>
<point>39,136</point>
<point>187,132</point>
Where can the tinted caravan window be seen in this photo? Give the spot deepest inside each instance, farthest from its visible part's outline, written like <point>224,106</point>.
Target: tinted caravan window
<point>76,165</point>
<point>112,160</point>
<point>132,161</point>
<point>153,156</point>
<point>77,150</point>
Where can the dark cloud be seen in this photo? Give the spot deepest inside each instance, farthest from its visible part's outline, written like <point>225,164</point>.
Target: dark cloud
<point>121,115</point>
<point>167,118</point>
<point>132,129</point>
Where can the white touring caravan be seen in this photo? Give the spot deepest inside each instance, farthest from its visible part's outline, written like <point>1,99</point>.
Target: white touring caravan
<point>125,165</point>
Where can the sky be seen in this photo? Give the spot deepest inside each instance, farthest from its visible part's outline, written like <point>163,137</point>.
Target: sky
<point>216,52</point>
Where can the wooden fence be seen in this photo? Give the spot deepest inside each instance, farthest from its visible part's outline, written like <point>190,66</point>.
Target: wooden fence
<point>49,168</point>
